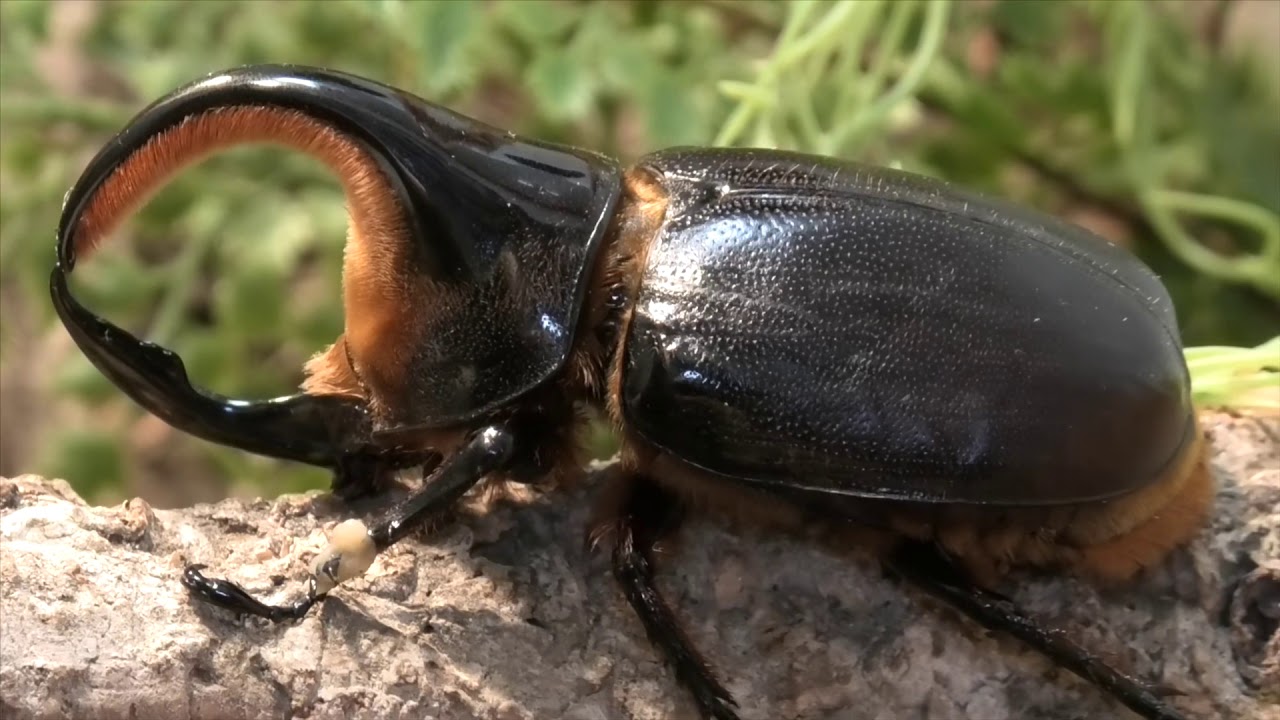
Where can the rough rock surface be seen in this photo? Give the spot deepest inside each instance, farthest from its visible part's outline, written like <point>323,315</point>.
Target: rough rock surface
<point>504,616</point>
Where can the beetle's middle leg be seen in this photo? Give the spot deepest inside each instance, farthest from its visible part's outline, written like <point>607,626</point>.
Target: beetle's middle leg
<point>639,516</point>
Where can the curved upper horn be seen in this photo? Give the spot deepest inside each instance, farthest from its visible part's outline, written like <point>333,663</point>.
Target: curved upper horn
<point>448,214</point>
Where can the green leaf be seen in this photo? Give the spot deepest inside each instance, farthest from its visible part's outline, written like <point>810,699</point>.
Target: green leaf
<point>30,17</point>
<point>1034,24</point>
<point>670,112</point>
<point>562,86</point>
<point>250,300</point>
<point>208,359</point>
<point>320,327</point>
<point>79,378</point>
<point>1237,119</point>
<point>90,460</point>
<point>112,285</point>
<point>447,30</point>
<point>537,22</point>
<point>627,65</point>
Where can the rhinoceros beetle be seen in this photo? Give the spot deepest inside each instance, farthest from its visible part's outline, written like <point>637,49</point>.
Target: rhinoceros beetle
<point>963,385</point>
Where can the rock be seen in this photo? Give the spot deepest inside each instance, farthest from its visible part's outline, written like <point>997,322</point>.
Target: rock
<point>503,616</point>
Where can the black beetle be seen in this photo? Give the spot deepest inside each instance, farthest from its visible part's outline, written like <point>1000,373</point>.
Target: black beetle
<point>965,385</point>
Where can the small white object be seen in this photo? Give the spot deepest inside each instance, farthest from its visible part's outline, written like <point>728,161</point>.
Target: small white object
<point>354,550</point>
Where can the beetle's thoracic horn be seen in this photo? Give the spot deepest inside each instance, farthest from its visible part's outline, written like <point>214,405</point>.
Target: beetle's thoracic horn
<point>368,134</point>
<point>434,198</point>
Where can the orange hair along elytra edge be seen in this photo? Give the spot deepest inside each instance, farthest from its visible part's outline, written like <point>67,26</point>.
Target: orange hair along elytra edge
<point>378,234</point>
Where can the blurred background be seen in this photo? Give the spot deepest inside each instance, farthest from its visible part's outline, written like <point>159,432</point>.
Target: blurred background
<point>1157,124</point>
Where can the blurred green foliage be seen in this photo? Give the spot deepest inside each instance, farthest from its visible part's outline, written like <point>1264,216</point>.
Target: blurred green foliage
<point>1127,116</point>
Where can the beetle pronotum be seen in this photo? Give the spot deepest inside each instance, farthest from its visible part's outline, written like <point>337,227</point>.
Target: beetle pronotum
<point>971,385</point>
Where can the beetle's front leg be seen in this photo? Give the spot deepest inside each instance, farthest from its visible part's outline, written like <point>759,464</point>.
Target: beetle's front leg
<point>642,514</point>
<point>354,546</point>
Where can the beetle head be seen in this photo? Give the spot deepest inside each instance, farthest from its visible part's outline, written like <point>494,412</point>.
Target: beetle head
<point>466,262</point>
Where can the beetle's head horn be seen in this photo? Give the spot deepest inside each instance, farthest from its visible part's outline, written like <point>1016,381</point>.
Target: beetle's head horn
<point>415,207</point>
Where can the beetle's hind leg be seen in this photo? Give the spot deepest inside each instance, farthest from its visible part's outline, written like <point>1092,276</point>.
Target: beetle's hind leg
<point>926,566</point>
<point>635,518</point>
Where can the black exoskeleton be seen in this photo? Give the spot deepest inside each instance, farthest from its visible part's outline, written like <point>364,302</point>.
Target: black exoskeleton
<point>974,386</point>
